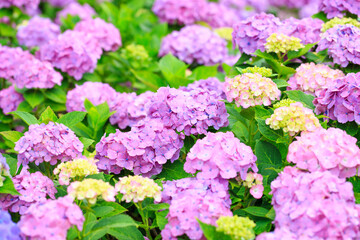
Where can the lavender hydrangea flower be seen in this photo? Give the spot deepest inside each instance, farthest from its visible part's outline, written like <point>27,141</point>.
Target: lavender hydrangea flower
<point>334,8</point>
<point>195,44</point>
<point>340,101</point>
<point>28,5</point>
<point>342,43</point>
<point>10,99</point>
<point>121,117</point>
<point>37,32</point>
<point>192,112</point>
<point>210,84</point>
<point>105,33</point>
<point>33,187</point>
<point>48,143</point>
<point>144,149</point>
<point>96,92</point>
<point>218,15</point>
<point>289,3</point>
<point>251,34</point>
<point>73,52</point>
<point>8,229</point>
<point>59,3</point>
<point>220,155</point>
<point>10,59</point>
<point>75,9</point>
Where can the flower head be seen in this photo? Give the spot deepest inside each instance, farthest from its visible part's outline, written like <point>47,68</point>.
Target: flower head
<point>136,55</point>
<point>8,229</point>
<point>335,8</point>
<point>263,71</point>
<point>281,43</point>
<point>10,99</point>
<point>254,182</point>
<point>29,5</point>
<point>75,9</point>
<point>239,228</point>
<point>339,21</point>
<point>210,84</point>
<point>283,103</point>
<point>218,15</point>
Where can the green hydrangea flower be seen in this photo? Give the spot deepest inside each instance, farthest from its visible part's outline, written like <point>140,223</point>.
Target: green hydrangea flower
<point>281,43</point>
<point>284,103</point>
<point>263,71</point>
<point>339,21</point>
<point>136,55</point>
<point>238,228</point>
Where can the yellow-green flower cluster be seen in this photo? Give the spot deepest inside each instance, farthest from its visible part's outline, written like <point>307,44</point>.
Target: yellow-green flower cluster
<point>293,119</point>
<point>281,43</point>
<point>339,21</point>
<point>284,103</point>
<point>263,71</point>
<point>136,55</point>
<point>91,189</point>
<point>76,169</point>
<point>137,188</point>
<point>238,228</point>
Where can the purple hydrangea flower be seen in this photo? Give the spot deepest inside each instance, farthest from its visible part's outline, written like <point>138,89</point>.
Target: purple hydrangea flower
<point>342,43</point>
<point>8,229</point>
<point>335,8</point>
<point>105,33</point>
<point>251,34</point>
<point>33,187</point>
<point>10,99</point>
<point>59,3</point>
<point>28,5</point>
<point>96,92</point>
<point>51,219</point>
<point>210,84</point>
<point>192,112</point>
<point>73,52</point>
<point>76,9</point>
<point>121,117</point>
<point>10,59</point>
<point>144,149</point>
<point>195,44</point>
<point>281,233</point>
<point>218,15</point>
<point>220,155</point>
<point>38,31</point>
<point>340,101</point>
<point>290,3</point>
<point>48,143</point>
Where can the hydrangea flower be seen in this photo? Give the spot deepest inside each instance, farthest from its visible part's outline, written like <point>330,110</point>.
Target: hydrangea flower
<point>48,143</point>
<point>254,182</point>
<point>8,229</point>
<point>342,43</point>
<point>180,12</point>
<point>282,233</point>
<point>236,227</point>
<point>96,92</point>
<point>340,101</point>
<point>335,8</point>
<point>318,205</point>
<point>37,31</point>
<point>73,52</point>
<point>75,9</point>
<point>10,99</point>
<point>10,59</point>
<point>192,112</point>
<point>195,44</point>
<point>90,189</point>
<point>144,149</point>
<point>251,34</point>
<point>293,119</point>
<point>210,84</point>
<point>283,103</point>
<point>339,21</point>
<point>311,78</point>
<point>251,89</point>
<point>218,15</point>
<point>137,56</point>
<point>326,150</point>
<point>60,3</point>
<point>289,3</point>
<point>220,155</point>
<point>28,5</point>
<point>4,169</point>
<point>76,169</point>
<point>33,187</point>
<point>263,71</point>
<point>281,43</point>
<point>51,219</point>
<point>105,33</point>
<point>136,189</point>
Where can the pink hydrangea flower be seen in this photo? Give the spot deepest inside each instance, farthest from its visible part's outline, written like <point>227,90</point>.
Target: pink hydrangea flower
<point>289,3</point>
<point>218,15</point>
<point>210,84</point>
<point>10,99</point>
<point>48,143</point>
<point>282,233</point>
<point>76,9</point>
<point>51,219</point>
<point>335,8</point>
<point>33,187</point>
<point>59,3</point>
<point>28,5</point>
<point>220,155</point>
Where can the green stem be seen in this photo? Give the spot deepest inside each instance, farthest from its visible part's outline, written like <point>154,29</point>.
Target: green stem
<point>250,129</point>
<point>145,220</point>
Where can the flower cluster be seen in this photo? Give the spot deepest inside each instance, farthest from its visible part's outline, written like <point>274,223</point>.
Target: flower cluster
<point>195,44</point>
<point>340,101</point>
<point>137,56</point>
<point>60,3</point>
<point>250,89</point>
<point>281,233</point>
<point>33,187</point>
<point>289,3</point>
<point>105,33</point>
<point>293,119</point>
<point>251,34</point>
<point>263,71</point>
<point>342,43</point>
<point>254,182</point>
<point>8,229</point>
<point>4,169</point>
<point>10,99</point>
<point>218,15</point>
<point>339,21</point>
<point>311,78</point>
<point>283,103</point>
<point>136,189</point>
<point>326,150</point>
<point>90,189</point>
<point>75,9</point>
<point>210,84</point>
<point>96,92</point>
<point>37,32</point>
<point>144,149</point>
<point>48,143</point>
<point>192,112</point>
<point>316,205</point>
<point>239,228</point>
<point>51,219</point>
<point>335,8</point>
<point>78,168</point>
<point>281,43</point>
<point>28,5</point>
<point>220,155</point>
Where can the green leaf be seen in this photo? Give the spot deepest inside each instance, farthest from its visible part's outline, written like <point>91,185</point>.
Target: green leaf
<point>72,118</point>
<point>98,176</point>
<point>302,97</point>
<point>34,98</point>
<point>128,233</point>
<point>204,72</point>
<point>118,221</point>
<point>211,233</point>
<point>267,132</point>
<point>12,136</point>
<point>7,31</point>
<point>8,187</point>
<point>55,94</point>
<point>321,15</point>
<point>244,57</point>
<point>81,130</point>
<point>161,219</point>
<point>174,71</point>
<point>102,211</point>
<point>26,117</point>
<point>280,83</point>
<point>271,214</point>
<point>90,221</point>
<point>157,207</point>
<point>280,68</point>
<point>256,211</point>
<point>12,162</point>
<point>96,234</point>
<point>300,52</point>
<point>24,107</point>
<point>265,55</point>
<point>268,159</point>
<point>174,171</point>
<point>48,116</point>
<point>86,141</point>
<point>151,80</point>
<point>262,225</point>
